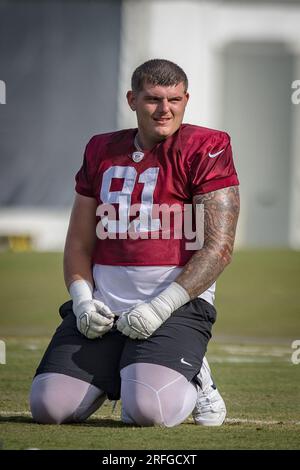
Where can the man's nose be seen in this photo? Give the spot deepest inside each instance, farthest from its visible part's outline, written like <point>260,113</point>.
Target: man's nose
<point>164,106</point>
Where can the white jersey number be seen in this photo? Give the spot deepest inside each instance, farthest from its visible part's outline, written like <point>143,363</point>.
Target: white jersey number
<point>145,222</point>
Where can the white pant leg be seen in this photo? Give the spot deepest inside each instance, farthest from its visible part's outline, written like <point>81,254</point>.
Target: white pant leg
<point>59,398</point>
<point>152,394</point>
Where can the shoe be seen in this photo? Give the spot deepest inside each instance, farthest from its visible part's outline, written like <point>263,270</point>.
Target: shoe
<point>210,409</point>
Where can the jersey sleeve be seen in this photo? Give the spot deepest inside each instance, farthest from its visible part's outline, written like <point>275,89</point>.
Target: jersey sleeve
<point>213,166</point>
<point>84,180</point>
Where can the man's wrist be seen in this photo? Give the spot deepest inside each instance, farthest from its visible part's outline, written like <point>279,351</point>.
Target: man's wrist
<point>80,291</point>
<point>170,299</point>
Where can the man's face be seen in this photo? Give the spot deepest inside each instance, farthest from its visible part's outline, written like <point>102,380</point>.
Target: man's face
<point>159,111</point>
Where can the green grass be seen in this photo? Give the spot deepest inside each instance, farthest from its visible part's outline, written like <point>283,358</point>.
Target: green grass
<point>32,288</point>
<point>258,317</point>
<point>258,295</point>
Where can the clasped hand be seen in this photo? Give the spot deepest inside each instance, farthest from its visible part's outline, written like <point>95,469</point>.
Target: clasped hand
<point>141,321</point>
<point>93,318</point>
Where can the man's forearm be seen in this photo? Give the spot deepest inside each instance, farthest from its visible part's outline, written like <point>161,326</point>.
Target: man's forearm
<point>201,271</point>
<point>77,266</point>
<point>221,210</point>
<point>80,241</point>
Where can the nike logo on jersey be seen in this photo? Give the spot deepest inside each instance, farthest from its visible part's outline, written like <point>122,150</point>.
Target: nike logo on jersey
<point>214,155</point>
<point>184,362</point>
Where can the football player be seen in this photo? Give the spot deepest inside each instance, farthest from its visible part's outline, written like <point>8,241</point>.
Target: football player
<point>141,313</point>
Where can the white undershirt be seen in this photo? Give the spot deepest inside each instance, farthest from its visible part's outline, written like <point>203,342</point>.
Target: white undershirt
<point>122,287</point>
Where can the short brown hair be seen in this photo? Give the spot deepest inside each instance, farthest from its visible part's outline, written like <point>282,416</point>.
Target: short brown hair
<point>158,72</point>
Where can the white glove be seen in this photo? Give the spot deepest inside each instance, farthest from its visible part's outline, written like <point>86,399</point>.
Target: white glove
<point>93,318</point>
<point>144,319</point>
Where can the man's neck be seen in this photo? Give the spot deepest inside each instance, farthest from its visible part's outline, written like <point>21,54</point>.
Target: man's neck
<point>141,143</point>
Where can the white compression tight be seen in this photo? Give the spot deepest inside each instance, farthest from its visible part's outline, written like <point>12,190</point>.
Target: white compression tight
<point>151,395</point>
<point>58,398</point>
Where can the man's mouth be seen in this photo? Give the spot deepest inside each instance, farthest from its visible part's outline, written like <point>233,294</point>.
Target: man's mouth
<point>162,120</point>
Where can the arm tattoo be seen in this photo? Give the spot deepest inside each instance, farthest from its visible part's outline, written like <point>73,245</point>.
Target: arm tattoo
<point>221,210</point>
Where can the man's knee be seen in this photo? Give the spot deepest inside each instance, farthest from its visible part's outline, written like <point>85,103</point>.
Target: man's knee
<point>57,399</point>
<point>45,406</point>
<point>146,407</point>
<point>45,412</point>
<point>142,407</point>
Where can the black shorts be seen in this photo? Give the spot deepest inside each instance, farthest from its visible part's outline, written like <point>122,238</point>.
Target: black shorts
<point>180,344</point>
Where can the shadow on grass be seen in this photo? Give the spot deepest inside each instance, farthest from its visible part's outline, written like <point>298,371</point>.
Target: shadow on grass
<point>16,419</point>
<point>92,422</point>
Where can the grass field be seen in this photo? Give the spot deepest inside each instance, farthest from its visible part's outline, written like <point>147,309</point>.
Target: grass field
<point>258,318</point>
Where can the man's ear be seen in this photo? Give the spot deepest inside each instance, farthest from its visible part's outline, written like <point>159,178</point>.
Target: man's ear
<point>131,99</point>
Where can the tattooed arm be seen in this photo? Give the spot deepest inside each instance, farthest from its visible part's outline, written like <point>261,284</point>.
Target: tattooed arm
<point>221,210</point>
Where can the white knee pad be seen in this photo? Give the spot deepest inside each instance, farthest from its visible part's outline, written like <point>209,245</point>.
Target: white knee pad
<point>156,395</point>
<point>58,398</point>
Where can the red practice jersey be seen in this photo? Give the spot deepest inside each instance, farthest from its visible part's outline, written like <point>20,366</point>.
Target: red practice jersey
<point>194,160</point>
